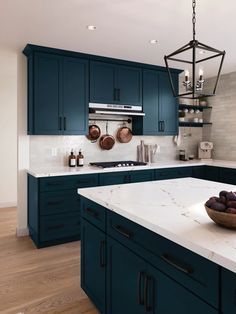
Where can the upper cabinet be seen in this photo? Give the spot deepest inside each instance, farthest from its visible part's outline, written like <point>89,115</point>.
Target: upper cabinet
<point>159,105</point>
<point>115,83</point>
<point>57,94</point>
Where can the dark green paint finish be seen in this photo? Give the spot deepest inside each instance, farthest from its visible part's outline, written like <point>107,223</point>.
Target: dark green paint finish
<point>93,264</point>
<point>228,297</point>
<point>173,173</point>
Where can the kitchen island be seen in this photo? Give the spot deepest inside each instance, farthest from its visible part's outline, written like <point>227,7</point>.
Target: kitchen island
<point>150,247</point>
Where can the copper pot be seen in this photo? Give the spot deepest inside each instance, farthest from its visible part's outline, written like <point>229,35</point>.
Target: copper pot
<point>107,141</point>
<point>124,134</point>
<point>94,133</point>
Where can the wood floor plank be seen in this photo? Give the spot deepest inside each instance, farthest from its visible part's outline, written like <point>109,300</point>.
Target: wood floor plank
<point>39,281</point>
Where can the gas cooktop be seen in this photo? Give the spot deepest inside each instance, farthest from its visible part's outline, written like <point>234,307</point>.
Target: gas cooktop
<point>123,163</point>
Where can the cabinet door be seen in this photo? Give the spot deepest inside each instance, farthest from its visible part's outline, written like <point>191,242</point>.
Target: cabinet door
<point>150,102</point>
<point>199,172</point>
<point>102,86</point>
<point>93,264</point>
<point>164,295</point>
<point>128,83</point>
<point>47,107</point>
<point>124,280</point>
<point>227,175</point>
<point>75,96</point>
<point>168,106</point>
<point>228,292</point>
<point>212,173</point>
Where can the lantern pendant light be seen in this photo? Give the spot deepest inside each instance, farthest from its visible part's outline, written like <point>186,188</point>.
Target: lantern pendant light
<point>193,85</point>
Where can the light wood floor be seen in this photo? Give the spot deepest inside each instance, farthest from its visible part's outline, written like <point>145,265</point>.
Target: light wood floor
<point>36,281</point>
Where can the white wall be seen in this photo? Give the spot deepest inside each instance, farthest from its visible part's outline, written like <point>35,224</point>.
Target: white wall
<point>8,129</point>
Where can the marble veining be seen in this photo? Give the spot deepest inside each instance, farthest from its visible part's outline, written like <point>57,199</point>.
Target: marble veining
<point>63,171</point>
<point>174,209</point>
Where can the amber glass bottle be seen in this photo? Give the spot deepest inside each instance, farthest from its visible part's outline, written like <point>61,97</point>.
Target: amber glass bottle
<point>72,159</point>
<point>80,159</point>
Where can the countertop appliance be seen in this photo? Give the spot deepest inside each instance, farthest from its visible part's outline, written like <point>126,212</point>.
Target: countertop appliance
<point>123,163</point>
<point>127,110</point>
<point>205,150</point>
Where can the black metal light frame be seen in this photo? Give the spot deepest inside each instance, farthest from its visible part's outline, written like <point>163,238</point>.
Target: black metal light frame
<point>194,45</point>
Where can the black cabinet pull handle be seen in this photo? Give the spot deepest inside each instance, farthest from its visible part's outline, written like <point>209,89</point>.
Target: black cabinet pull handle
<point>147,290</point>
<point>173,262</point>
<point>56,227</point>
<point>140,297</point>
<point>159,126</point>
<point>91,212</point>
<point>55,202</point>
<point>118,94</point>
<point>122,231</point>
<point>64,123</point>
<point>102,254</point>
<point>114,94</point>
<point>60,123</point>
<point>163,126</point>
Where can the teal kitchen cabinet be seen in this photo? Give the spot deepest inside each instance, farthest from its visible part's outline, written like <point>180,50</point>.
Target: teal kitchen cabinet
<point>212,173</point>
<point>126,177</point>
<point>54,208</point>
<point>159,105</point>
<point>228,297</point>
<point>173,173</point>
<point>57,94</point>
<point>227,175</point>
<point>93,264</point>
<point>115,83</point>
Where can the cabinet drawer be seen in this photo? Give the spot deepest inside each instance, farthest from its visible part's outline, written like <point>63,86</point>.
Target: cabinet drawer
<point>58,202</point>
<point>59,226</point>
<point>212,173</point>
<point>191,270</point>
<point>68,182</point>
<point>142,175</point>
<point>94,213</point>
<point>228,175</point>
<point>172,173</point>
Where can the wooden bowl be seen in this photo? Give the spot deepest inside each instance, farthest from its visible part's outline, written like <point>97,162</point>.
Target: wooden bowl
<point>223,219</point>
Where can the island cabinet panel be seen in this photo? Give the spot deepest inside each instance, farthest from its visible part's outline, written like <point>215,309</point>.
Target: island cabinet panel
<point>189,269</point>
<point>57,94</point>
<point>228,289</point>
<point>134,286</point>
<point>54,208</point>
<point>173,173</point>
<point>93,264</point>
<point>94,213</point>
<point>125,280</point>
<point>115,83</point>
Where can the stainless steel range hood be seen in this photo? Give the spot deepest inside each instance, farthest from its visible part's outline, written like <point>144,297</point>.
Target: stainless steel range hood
<point>116,109</point>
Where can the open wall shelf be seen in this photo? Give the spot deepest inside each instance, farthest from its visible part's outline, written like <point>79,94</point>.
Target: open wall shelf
<point>193,124</point>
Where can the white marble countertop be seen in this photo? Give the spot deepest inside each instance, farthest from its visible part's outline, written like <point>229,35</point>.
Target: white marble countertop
<point>175,210</point>
<point>87,169</point>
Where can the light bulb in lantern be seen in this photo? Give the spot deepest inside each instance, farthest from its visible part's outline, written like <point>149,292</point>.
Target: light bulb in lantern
<point>186,75</point>
<point>201,74</point>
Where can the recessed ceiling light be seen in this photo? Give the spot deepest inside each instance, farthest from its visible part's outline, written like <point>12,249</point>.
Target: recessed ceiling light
<point>153,41</point>
<point>91,27</point>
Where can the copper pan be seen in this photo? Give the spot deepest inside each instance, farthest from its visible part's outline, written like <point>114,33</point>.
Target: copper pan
<point>94,133</point>
<point>124,134</point>
<point>107,141</point>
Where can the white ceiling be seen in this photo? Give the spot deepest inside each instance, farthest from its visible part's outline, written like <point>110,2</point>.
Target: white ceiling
<point>124,27</point>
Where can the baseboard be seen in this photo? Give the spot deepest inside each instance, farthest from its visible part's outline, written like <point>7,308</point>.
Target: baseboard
<point>22,232</point>
<point>8,204</point>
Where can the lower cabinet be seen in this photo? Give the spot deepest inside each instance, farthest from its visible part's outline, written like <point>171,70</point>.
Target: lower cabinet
<point>119,279</point>
<point>228,297</point>
<point>173,173</point>
<point>126,177</point>
<point>93,264</point>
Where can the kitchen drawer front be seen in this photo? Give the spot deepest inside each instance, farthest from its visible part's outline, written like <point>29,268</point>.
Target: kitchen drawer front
<point>119,177</point>
<point>59,226</point>
<point>228,175</point>
<point>56,202</point>
<point>142,175</point>
<point>172,173</point>
<point>68,182</point>
<point>94,213</point>
<point>191,270</point>
<point>212,173</point>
